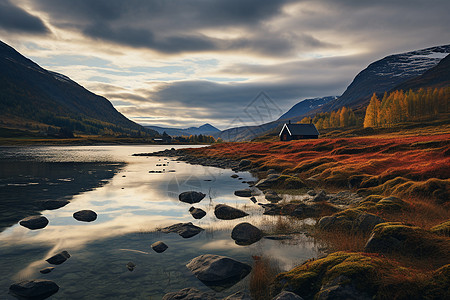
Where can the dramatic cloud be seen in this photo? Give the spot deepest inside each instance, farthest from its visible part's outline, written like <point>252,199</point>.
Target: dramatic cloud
<point>13,18</point>
<point>184,62</point>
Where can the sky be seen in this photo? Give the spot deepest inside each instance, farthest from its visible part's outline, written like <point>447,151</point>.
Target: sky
<point>182,63</point>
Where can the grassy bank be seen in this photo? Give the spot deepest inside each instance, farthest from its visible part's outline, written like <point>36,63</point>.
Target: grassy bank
<point>414,169</point>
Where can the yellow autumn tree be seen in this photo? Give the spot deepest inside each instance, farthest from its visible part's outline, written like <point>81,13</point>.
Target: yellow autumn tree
<point>372,112</point>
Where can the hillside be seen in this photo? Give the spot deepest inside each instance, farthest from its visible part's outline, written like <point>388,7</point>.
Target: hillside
<point>385,74</point>
<point>305,106</point>
<point>436,77</point>
<point>33,98</point>
<point>205,129</point>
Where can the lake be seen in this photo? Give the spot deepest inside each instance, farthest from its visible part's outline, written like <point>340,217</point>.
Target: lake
<point>131,204</point>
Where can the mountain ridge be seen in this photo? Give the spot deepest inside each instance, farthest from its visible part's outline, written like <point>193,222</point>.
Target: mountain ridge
<point>205,129</point>
<point>34,95</point>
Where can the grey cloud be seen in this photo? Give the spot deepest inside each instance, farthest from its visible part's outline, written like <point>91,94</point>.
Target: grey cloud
<point>176,26</point>
<point>13,18</point>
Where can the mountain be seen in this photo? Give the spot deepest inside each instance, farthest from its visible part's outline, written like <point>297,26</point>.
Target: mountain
<point>384,74</point>
<point>296,113</point>
<point>305,106</point>
<point>436,77</point>
<point>205,129</point>
<point>38,99</point>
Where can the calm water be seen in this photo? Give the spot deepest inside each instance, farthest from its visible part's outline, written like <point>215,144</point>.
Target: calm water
<point>131,204</point>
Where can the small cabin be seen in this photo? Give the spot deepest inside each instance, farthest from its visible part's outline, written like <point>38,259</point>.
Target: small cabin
<point>291,132</point>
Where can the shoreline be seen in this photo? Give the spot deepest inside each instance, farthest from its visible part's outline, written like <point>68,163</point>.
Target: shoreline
<point>359,228</point>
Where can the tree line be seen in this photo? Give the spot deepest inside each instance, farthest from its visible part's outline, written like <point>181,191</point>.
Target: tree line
<point>344,117</point>
<point>400,106</point>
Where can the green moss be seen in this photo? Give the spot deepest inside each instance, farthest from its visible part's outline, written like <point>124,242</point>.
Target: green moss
<point>407,240</point>
<point>391,204</point>
<point>442,229</point>
<point>365,271</point>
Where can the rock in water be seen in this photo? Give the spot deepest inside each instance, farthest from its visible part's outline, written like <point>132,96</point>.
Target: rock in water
<point>225,212</point>
<point>197,213</point>
<point>54,204</point>
<point>191,197</point>
<point>186,230</point>
<point>218,272</point>
<point>130,266</point>
<point>46,270</point>
<point>234,176</point>
<point>285,295</point>
<point>34,289</point>
<point>85,215</point>
<point>58,258</point>
<point>243,193</point>
<point>246,234</point>
<point>188,294</point>
<point>34,222</point>
<point>159,247</point>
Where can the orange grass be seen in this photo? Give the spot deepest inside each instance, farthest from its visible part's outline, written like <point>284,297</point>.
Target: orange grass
<point>333,161</point>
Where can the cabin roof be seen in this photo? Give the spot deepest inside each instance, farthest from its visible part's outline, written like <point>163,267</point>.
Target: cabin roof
<point>300,129</point>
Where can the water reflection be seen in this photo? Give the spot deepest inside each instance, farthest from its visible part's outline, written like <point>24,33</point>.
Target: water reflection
<point>131,204</point>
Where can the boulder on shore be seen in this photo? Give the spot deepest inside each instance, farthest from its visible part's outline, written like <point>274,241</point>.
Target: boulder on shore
<point>197,213</point>
<point>34,222</point>
<point>191,197</point>
<point>59,258</point>
<point>225,212</point>
<point>85,215</point>
<point>188,294</point>
<point>186,230</point>
<point>218,272</point>
<point>34,289</point>
<point>246,234</point>
<point>350,220</point>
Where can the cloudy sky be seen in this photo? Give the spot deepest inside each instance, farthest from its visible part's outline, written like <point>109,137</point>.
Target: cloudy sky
<point>183,63</point>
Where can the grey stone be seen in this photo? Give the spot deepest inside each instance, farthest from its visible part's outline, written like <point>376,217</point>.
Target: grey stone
<point>59,258</point>
<point>341,287</point>
<point>186,230</point>
<point>273,197</point>
<point>85,216</point>
<point>130,266</point>
<point>268,181</point>
<point>54,204</point>
<point>285,295</point>
<point>34,289</point>
<point>197,213</point>
<point>225,212</point>
<point>321,196</point>
<point>188,294</point>
<point>159,247</point>
<point>34,222</point>
<point>245,234</point>
<point>311,192</point>
<point>191,197</point>
<point>243,193</point>
<point>46,270</point>
<point>244,163</point>
<point>214,270</point>
<point>253,199</point>
<point>234,176</point>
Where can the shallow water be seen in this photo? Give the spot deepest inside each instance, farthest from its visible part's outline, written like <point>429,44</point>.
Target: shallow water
<point>131,204</point>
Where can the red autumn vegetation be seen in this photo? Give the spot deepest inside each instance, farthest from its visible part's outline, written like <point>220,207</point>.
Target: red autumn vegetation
<point>414,166</point>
